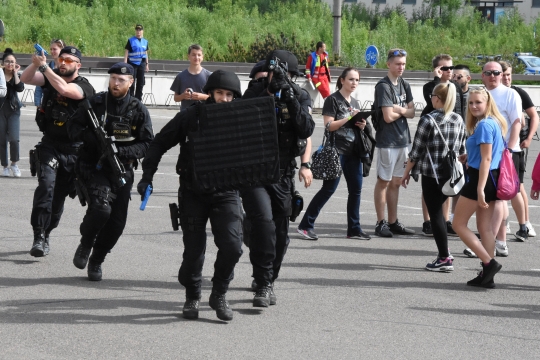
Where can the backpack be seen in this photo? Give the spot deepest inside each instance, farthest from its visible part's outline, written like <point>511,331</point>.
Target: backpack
<point>376,112</point>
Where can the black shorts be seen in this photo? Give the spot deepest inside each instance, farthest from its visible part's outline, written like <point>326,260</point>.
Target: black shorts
<point>519,162</point>
<point>490,190</point>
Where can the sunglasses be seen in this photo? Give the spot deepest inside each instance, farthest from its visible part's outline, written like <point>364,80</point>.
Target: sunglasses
<point>492,72</point>
<point>397,53</point>
<point>458,77</point>
<point>431,96</point>
<point>64,60</point>
<point>59,42</point>
<point>446,68</point>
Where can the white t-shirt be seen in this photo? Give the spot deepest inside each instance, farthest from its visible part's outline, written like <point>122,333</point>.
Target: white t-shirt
<point>509,104</point>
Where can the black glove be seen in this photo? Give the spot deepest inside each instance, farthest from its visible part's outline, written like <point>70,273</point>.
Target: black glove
<point>141,187</point>
<point>277,84</point>
<point>288,95</point>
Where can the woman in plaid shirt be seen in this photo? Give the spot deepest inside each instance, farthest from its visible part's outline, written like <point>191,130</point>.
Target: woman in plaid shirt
<point>428,140</point>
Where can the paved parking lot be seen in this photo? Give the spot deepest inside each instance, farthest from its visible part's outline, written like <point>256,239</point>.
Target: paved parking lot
<point>337,298</point>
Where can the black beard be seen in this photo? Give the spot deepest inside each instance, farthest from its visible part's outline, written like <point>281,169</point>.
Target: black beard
<point>68,73</point>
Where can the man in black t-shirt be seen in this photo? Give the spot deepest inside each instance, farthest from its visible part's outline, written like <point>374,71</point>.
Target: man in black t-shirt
<point>55,155</point>
<point>531,122</point>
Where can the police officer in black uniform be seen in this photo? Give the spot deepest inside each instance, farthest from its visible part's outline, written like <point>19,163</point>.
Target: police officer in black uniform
<point>222,208</point>
<point>54,158</point>
<point>268,207</point>
<point>127,119</point>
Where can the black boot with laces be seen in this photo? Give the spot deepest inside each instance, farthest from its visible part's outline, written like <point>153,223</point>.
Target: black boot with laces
<point>191,309</point>
<point>262,296</point>
<point>221,305</point>
<point>37,246</point>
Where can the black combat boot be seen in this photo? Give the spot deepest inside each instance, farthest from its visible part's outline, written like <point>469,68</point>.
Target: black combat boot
<point>37,246</point>
<point>94,264</point>
<point>83,252</point>
<point>191,308</point>
<point>221,305</point>
<point>46,247</point>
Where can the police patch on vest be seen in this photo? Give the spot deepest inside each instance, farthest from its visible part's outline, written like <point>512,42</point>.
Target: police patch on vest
<point>121,131</point>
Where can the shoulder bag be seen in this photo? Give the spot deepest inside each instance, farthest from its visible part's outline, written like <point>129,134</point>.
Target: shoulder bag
<point>508,184</point>
<point>325,162</point>
<point>451,168</point>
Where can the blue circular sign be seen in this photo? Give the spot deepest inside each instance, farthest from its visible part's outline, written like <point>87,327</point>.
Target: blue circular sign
<point>372,55</point>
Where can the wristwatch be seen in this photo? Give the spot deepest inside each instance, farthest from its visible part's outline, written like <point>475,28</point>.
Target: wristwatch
<point>307,165</point>
<point>43,68</point>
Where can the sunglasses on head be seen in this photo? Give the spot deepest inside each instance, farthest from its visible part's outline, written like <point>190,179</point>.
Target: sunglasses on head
<point>492,72</point>
<point>398,52</point>
<point>446,68</point>
<point>58,41</point>
<point>66,60</point>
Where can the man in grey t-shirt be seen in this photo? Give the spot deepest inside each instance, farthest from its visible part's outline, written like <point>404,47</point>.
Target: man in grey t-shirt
<point>393,96</point>
<point>188,85</point>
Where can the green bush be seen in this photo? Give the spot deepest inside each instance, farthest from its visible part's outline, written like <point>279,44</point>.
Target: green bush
<point>245,30</point>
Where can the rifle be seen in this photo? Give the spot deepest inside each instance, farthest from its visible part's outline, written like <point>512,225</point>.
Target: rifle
<point>107,146</point>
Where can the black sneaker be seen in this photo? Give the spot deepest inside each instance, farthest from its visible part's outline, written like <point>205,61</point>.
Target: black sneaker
<point>307,234</point>
<point>522,235</point>
<point>218,303</point>
<point>94,271</point>
<point>400,229</point>
<point>191,309</point>
<point>273,297</point>
<point>489,271</point>
<point>262,297</point>
<point>37,246</point>
<point>382,229</point>
<point>81,256</point>
<point>426,228</point>
<point>46,247</point>
<point>449,229</point>
<point>360,235</point>
<point>477,281</point>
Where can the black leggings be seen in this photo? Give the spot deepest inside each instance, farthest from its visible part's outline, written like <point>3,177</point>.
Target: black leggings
<point>434,202</point>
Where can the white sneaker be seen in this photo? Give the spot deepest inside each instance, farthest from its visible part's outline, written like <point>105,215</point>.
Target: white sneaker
<point>15,170</point>
<point>469,253</point>
<point>531,229</point>
<point>508,231</point>
<point>6,172</point>
<point>501,249</point>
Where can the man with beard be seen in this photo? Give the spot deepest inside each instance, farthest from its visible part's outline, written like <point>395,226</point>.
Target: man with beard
<point>127,119</point>
<point>55,155</point>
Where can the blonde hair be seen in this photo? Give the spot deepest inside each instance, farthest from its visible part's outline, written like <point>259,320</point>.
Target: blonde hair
<point>491,111</point>
<point>447,94</point>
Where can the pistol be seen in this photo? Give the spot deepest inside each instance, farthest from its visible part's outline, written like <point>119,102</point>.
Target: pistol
<point>39,50</point>
<point>146,197</point>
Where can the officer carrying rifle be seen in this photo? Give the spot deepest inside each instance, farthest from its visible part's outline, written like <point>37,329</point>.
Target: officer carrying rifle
<point>116,131</point>
<point>54,158</point>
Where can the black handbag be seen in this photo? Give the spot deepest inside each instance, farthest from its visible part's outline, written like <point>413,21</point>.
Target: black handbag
<point>325,162</point>
<point>344,140</point>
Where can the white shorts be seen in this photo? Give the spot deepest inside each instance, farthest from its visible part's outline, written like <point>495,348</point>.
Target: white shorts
<point>391,162</point>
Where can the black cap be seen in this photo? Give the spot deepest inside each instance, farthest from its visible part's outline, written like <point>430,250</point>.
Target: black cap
<point>221,79</point>
<point>121,68</point>
<point>139,26</point>
<point>259,67</point>
<point>287,57</point>
<point>71,50</point>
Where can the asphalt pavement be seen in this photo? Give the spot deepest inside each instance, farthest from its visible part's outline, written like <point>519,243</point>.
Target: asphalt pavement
<point>337,298</point>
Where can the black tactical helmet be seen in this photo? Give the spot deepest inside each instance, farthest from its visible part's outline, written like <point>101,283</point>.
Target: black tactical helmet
<point>284,56</point>
<point>221,79</point>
